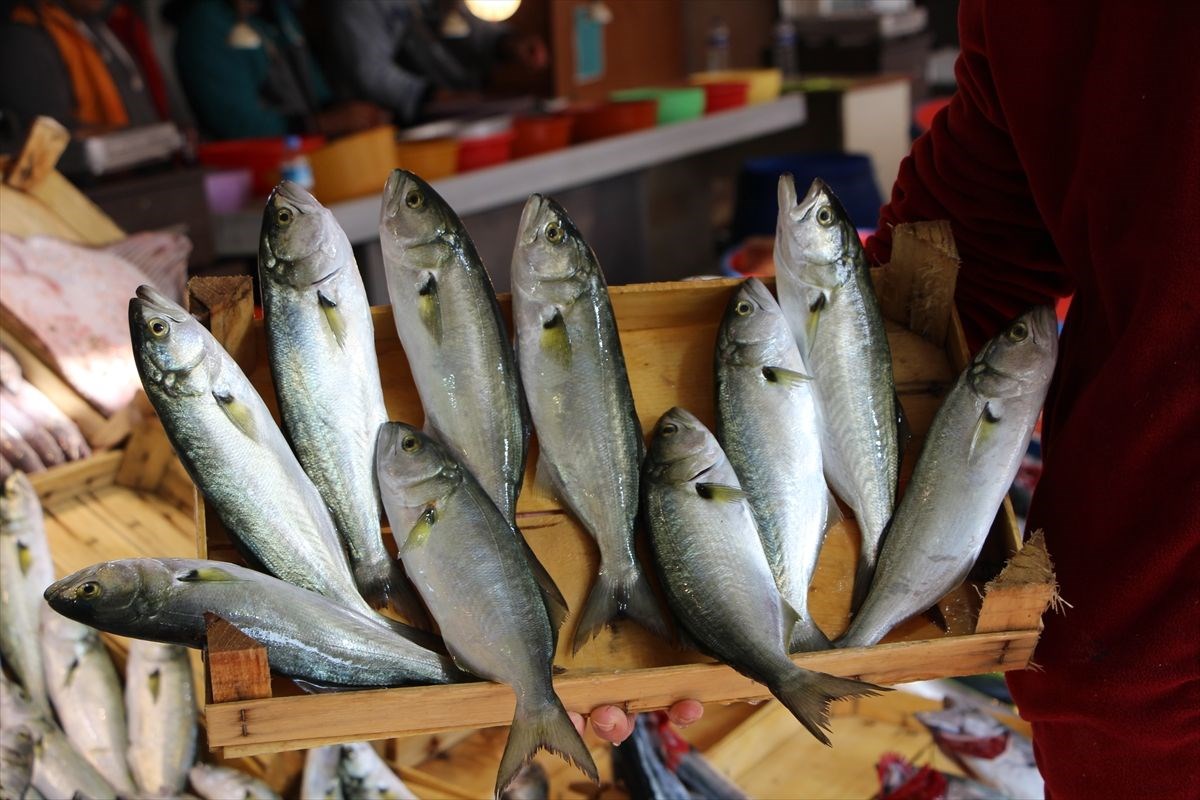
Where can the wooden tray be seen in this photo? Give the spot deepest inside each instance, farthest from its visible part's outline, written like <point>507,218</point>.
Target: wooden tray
<point>668,331</point>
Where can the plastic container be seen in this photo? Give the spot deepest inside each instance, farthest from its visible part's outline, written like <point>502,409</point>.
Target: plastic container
<point>724,96</point>
<point>484,151</point>
<point>674,105</point>
<point>296,167</point>
<point>765,84</point>
<point>614,119</point>
<point>429,158</point>
<point>541,134</point>
<point>261,156</point>
<point>354,166</point>
<point>228,190</point>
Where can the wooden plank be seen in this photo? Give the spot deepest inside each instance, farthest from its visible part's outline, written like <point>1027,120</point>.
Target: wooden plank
<point>917,286</point>
<point>249,727</point>
<point>747,743</point>
<point>93,226</point>
<point>236,664</point>
<point>47,140</point>
<point>148,455</point>
<point>226,306</point>
<point>76,477</point>
<point>25,215</point>
<point>1022,592</point>
<point>412,750</point>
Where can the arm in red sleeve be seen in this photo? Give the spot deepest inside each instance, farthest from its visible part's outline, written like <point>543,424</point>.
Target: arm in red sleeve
<point>966,170</point>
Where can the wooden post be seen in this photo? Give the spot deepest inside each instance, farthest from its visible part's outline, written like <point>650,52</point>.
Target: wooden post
<point>236,664</point>
<point>225,305</point>
<point>1016,599</point>
<point>45,144</point>
<point>917,285</point>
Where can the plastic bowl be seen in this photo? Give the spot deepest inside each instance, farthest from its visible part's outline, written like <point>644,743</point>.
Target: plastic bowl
<point>721,96</point>
<point>261,156</point>
<point>429,158</point>
<point>613,119</point>
<point>484,151</point>
<point>765,84</point>
<point>354,166</point>
<point>541,134</point>
<point>674,105</point>
<point>227,190</point>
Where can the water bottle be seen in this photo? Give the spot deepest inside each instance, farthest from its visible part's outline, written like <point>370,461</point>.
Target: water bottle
<point>785,48</point>
<point>295,166</point>
<point>717,55</point>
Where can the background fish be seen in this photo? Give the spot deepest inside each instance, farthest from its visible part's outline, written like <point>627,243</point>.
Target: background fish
<point>16,761</point>
<point>971,455</point>
<point>25,572</point>
<point>320,780</point>
<point>826,294</point>
<point>767,425</point>
<point>589,438</point>
<point>161,708</point>
<point>366,776</point>
<point>222,783</point>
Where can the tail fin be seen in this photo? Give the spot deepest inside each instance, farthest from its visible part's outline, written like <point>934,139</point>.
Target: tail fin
<point>538,725</point>
<point>383,584</point>
<point>807,637</point>
<point>807,695</point>
<point>619,595</point>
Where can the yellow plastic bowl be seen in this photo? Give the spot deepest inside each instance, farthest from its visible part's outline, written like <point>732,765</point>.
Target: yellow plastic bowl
<point>355,165</point>
<point>429,158</point>
<point>765,84</point>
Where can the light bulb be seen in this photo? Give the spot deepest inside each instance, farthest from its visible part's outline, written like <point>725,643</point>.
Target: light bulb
<point>493,10</point>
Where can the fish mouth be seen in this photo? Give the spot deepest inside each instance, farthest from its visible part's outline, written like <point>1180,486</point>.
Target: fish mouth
<point>529,218</point>
<point>818,190</point>
<point>158,302</point>
<point>295,194</point>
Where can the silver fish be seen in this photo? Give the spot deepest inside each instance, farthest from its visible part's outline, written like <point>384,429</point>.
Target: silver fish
<point>58,769</point>
<point>589,438</point>
<point>307,635</point>
<point>321,343</point>
<point>465,559</point>
<point>716,575</point>
<point>767,425</point>
<point>224,435</point>
<point>366,776</point>
<point>25,571</point>
<point>86,692</point>
<point>827,297</point>
<point>160,700</point>
<point>224,783</point>
<point>971,454</point>
<point>320,780</point>
<point>16,761</point>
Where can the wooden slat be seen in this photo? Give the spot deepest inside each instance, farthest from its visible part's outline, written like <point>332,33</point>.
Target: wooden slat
<point>47,140</point>
<point>1021,593</point>
<point>237,664</point>
<point>76,477</point>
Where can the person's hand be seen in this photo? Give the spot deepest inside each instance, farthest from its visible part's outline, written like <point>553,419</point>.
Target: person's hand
<point>613,725</point>
<point>351,117</point>
<point>528,50</point>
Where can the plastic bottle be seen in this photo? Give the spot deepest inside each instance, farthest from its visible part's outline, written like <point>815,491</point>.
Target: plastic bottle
<point>784,48</point>
<point>295,166</point>
<point>717,54</point>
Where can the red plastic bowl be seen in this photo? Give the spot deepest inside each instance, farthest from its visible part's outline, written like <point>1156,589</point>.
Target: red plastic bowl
<point>484,151</point>
<point>723,96</point>
<point>613,119</point>
<point>541,134</point>
<point>260,156</point>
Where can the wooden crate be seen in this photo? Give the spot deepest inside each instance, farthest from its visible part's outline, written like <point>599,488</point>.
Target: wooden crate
<point>668,332</point>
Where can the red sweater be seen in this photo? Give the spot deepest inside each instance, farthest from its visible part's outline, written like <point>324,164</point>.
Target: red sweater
<point>1069,160</point>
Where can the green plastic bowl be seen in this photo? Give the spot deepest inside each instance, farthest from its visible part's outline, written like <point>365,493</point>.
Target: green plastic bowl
<point>674,105</point>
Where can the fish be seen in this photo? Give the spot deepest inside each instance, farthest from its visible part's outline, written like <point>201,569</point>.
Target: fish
<point>231,447</point>
<point>160,700</point>
<point>224,783</point>
<point>589,438</point>
<point>531,783</point>
<point>827,297</point>
<point>366,776</point>
<point>767,425</point>
<point>321,343</point>
<point>16,761</point>
<point>307,635</point>
<point>971,454</point>
<point>58,769</point>
<point>463,556</point>
<point>26,569</point>
<point>458,350</point>
<point>638,762</point>
<point>86,693</point>
<point>715,572</point>
<point>320,779</point>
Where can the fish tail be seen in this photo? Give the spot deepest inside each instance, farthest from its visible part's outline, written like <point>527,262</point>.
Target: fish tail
<point>619,595</point>
<point>807,637</point>
<point>807,695</point>
<point>383,584</point>
<point>542,725</point>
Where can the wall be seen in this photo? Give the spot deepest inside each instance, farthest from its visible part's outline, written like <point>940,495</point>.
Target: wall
<point>750,23</point>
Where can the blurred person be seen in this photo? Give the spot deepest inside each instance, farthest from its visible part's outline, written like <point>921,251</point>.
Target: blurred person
<point>407,56</point>
<point>248,72</point>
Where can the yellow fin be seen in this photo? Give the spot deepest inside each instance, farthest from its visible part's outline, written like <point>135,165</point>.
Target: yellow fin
<point>333,316</point>
<point>555,340</point>
<point>238,412</point>
<point>154,682</point>
<point>421,530</point>
<point>429,308</point>
<point>206,575</point>
<point>985,426</point>
<point>720,493</point>
<point>814,319</point>
<point>785,377</point>
<point>24,558</point>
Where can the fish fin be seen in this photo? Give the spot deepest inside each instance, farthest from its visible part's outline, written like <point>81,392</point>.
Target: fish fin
<point>788,616</point>
<point>238,412</point>
<point>206,575</point>
<point>314,687</point>
<point>429,307</point>
<point>154,683</point>
<point>720,493</point>
<point>552,597</point>
<point>70,676</point>
<point>24,557</point>
<point>833,512</point>
<point>864,572</point>
<point>545,479</point>
<point>903,430</point>
<point>382,583</point>
<point>544,725</point>
<point>613,596</point>
<point>807,695</point>
<point>815,307</point>
<point>785,377</point>
<point>807,637</point>
<point>333,315</point>
<point>984,427</point>
<point>426,639</point>
<point>555,340</point>
<point>421,529</point>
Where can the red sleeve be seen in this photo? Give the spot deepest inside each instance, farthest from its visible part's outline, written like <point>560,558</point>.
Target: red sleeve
<point>966,169</point>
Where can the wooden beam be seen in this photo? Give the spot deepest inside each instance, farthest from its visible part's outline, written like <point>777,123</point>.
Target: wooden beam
<point>225,305</point>
<point>237,665</point>
<point>1020,594</point>
<point>43,146</point>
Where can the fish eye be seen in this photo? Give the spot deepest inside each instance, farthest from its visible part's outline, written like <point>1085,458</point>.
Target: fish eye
<point>668,428</point>
<point>414,198</point>
<point>158,327</point>
<point>410,444</point>
<point>554,232</point>
<point>743,308</point>
<point>825,216</point>
<point>89,589</point>
<point>1018,332</point>
<point>284,216</point>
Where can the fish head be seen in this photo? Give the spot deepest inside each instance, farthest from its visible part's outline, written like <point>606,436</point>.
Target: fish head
<point>168,342</point>
<point>300,238</point>
<point>754,330</point>
<point>19,504</point>
<point>1020,359</point>
<point>413,467</point>
<point>551,260</point>
<point>814,237</point>
<point>112,595</point>
<point>682,448</point>
<point>413,214</point>
<point>355,763</point>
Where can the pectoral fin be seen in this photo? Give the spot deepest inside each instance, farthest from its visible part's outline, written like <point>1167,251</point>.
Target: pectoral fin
<point>333,315</point>
<point>421,529</point>
<point>556,342</point>
<point>238,412</point>
<point>720,493</point>
<point>206,575</point>
<point>785,377</point>
<point>429,309</point>
<point>985,427</point>
<point>814,320</point>
<point>24,557</point>
<point>154,683</point>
